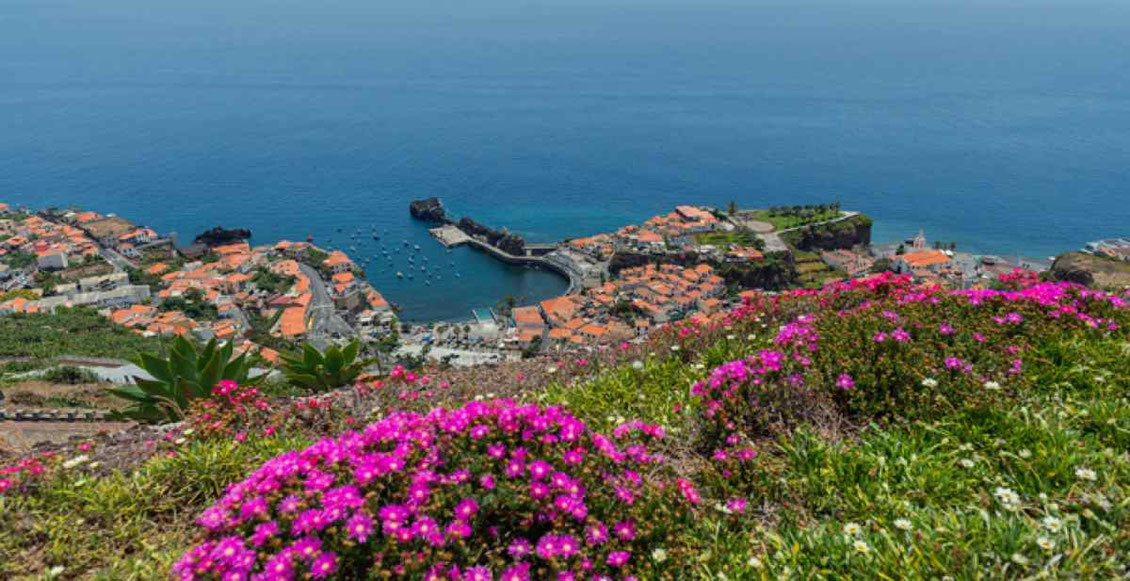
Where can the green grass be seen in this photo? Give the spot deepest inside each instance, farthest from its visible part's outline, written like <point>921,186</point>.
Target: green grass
<point>723,239</point>
<point>125,525</point>
<point>786,221</point>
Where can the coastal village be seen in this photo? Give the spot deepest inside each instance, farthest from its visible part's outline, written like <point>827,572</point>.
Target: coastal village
<point>261,299</point>
<point>267,299</point>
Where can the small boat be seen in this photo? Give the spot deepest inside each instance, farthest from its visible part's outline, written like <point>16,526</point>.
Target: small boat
<point>428,282</point>
<point>417,247</point>
<point>457,275</point>
<point>399,274</point>
<point>423,269</point>
<point>309,238</point>
<point>406,243</point>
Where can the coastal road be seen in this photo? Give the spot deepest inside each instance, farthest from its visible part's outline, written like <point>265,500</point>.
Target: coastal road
<point>324,322</point>
<point>116,260</point>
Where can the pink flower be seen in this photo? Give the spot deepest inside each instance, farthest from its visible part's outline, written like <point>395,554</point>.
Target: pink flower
<point>845,382</point>
<point>360,526</point>
<point>466,508</point>
<point>324,566</point>
<point>618,558</point>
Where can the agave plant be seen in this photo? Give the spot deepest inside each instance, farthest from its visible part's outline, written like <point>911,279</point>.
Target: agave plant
<point>317,371</point>
<point>185,375</point>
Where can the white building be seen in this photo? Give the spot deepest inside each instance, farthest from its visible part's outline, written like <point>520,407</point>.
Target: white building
<point>56,260</point>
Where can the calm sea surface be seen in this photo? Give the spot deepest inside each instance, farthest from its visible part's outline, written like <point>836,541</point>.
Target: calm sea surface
<point>1002,125</point>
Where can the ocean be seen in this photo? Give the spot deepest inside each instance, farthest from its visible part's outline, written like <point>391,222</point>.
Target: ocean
<point>1002,125</point>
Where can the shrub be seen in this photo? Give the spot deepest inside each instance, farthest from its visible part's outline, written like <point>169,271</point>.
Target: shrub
<point>881,348</point>
<point>186,375</point>
<point>69,374</point>
<point>317,371</point>
<point>490,490</point>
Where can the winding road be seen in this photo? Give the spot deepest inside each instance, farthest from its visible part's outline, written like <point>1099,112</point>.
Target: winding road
<point>323,323</point>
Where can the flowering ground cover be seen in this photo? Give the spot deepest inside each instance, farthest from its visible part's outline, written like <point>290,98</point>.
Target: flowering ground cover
<point>863,430</point>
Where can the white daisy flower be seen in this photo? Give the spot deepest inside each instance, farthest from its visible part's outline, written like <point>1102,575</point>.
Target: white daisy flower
<point>1084,473</point>
<point>1053,524</point>
<point>861,547</point>
<point>903,524</point>
<point>852,529</point>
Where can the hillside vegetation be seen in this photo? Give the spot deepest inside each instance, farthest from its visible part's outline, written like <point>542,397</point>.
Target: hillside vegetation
<point>75,332</point>
<point>865,430</point>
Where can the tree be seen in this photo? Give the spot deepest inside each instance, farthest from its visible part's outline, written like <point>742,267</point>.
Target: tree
<point>507,304</point>
<point>901,250</point>
<point>319,371</point>
<point>733,208</point>
<point>881,265</point>
<point>186,374</point>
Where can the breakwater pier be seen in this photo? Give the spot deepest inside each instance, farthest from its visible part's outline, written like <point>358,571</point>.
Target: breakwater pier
<point>451,236</point>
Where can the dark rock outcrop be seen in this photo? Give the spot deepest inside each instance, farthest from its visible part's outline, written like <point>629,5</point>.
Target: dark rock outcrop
<point>501,239</point>
<point>430,209</point>
<point>219,236</point>
<point>848,233</point>
<point>1088,269</point>
<point>777,272</point>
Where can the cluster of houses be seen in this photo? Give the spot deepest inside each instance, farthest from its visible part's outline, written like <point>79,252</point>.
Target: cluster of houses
<point>672,232</point>
<point>620,310</point>
<point>940,266</point>
<point>227,282</point>
<point>372,314</point>
<point>223,286</point>
<point>54,246</point>
<point>114,232</point>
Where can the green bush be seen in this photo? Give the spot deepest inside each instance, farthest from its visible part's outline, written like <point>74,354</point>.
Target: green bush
<point>69,375</point>
<point>318,371</point>
<point>185,375</point>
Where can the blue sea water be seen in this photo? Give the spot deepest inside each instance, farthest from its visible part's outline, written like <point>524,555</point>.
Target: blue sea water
<point>1001,124</point>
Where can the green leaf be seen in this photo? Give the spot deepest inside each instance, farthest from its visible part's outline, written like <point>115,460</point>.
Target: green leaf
<point>310,357</point>
<point>351,351</point>
<point>335,361</point>
<point>129,392</point>
<point>205,356</point>
<point>184,348</point>
<point>234,370</point>
<point>226,350</point>
<point>183,367</point>
<point>210,376</point>
<point>303,379</point>
<point>158,368</point>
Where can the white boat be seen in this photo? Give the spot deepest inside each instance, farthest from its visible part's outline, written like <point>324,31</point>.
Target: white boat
<point>399,274</point>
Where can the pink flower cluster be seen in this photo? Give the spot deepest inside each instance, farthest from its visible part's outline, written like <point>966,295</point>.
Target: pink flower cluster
<point>533,483</point>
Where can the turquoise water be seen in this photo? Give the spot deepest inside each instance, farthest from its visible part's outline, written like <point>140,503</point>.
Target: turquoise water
<point>1002,125</point>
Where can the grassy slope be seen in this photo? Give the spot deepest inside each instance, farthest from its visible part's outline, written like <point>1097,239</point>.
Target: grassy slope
<point>815,485</point>
<point>813,482</point>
